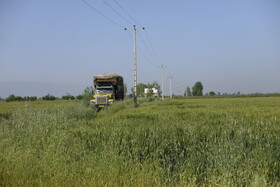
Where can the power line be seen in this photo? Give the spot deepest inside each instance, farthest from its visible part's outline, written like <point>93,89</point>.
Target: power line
<point>126,12</point>
<point>180,87</point>
<point>152,52</point>
<point>149,60</point>
<point>119,25</point>
<point>139,34</point>
<point>147,49</point>
<point>152,47</point>
<point>100,13</point>
<point>141,51</point>
<point>117,12</point>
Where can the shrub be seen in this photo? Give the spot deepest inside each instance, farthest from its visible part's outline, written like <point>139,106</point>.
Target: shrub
<point>68,97</point>
<point>14,98</point>
<point>212,93</point>
<point>48,97</point>
<point>79,97</point>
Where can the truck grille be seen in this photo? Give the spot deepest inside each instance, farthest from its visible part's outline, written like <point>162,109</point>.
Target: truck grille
<point>101,100</point>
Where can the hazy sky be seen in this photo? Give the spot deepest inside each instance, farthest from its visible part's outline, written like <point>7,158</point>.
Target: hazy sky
<point>229,46</point>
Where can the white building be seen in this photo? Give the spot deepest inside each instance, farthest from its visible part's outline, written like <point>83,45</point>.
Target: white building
<point>154,91</point>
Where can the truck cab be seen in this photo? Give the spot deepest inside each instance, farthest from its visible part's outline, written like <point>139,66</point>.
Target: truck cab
<point>103,96</point>
<point>108,88</point>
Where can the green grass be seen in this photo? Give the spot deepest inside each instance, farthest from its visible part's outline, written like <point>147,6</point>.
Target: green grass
<point>6,108</point>
<point>180,142</point>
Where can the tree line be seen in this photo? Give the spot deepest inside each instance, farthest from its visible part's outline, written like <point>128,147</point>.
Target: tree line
<point>197,90</point>
<point>47,97</point>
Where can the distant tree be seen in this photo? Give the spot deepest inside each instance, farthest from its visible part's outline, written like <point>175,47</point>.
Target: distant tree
<point>26,98</point>
<point>211,93</point>
<point>79,97</point>
<point>139,89</point>
<point>49,97</point>
<point>150,93</point>
<point>68,97</point>
<point>19,98</point>
<point>32,98</point>
<point>197,89</point>
<point>11,98</point>
<point>154,84</point>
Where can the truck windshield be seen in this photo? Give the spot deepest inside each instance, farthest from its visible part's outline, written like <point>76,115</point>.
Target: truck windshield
<point>104,90</point>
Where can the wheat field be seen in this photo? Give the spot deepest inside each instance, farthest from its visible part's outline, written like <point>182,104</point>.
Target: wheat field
<point>179,142</point>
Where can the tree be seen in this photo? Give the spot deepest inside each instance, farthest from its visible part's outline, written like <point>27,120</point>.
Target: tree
<point>211,93</point>
<point>139,89</point>
<point>150,93</point>
<point>29,98</point>
<point>197,89</point>
<point>79,97</point>
<point>48,97</point>
<point>11,98</point>
<point>68,97</point>
<point>154,84</point>
<point>32,98</point>
<point>19,98</point>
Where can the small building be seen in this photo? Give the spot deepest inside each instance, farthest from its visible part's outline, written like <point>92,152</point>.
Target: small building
<point>153,91</point>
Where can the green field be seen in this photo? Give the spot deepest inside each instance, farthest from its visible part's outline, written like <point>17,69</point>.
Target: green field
<point>180,142</point>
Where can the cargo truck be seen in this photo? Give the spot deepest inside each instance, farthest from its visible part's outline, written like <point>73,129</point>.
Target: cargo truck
<point>108,89</point>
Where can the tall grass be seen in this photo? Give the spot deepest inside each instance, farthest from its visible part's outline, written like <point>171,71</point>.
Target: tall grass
<point>227,142</point>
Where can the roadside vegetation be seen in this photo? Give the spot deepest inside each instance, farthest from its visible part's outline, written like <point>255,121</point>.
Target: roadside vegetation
<point>179,142</point>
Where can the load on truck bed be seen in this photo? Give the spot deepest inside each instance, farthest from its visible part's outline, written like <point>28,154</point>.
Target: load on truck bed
<point>108,89</point>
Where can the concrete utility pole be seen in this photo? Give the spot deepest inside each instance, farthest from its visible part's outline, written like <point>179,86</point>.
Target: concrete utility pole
<point>170,81</point>
<point>162,77</point>
<point>135,66</point>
